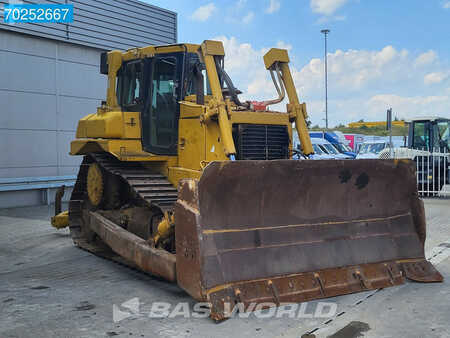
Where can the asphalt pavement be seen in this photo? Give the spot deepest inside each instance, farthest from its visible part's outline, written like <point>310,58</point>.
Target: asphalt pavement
<point>49,288</point>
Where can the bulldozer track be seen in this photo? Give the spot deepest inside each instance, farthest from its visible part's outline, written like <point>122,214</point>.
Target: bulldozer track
<point>149,189</point>
<point>152,189</point>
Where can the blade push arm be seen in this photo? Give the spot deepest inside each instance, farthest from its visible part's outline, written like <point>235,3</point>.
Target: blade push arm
<point>279,58</point>
<point>114,63</point>
<point>209,50</point>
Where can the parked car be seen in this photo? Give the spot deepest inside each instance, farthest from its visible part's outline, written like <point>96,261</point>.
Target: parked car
<point>319,152</point>
<point>337,140</point>
<point>371,149</point>
<point>344,149</point>
<point>328,148</point>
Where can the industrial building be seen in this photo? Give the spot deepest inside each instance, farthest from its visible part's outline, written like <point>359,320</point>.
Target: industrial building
<point>49,79</point>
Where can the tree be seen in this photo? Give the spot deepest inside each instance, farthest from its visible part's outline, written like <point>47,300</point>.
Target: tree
<point>360,121</point>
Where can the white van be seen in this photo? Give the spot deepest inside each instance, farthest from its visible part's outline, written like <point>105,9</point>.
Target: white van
<point>371,149</point>
<point>328,151</point>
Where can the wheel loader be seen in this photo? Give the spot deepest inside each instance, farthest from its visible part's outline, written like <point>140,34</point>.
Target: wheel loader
<point>429,147</point>
<point>184,181</point>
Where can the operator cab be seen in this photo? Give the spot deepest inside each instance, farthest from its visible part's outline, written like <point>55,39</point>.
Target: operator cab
<point>430,133</point>
<point>155,85</point>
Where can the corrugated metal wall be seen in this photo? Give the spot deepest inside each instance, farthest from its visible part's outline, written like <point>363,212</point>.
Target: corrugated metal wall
<point>48,82</point>
<point>106,24</point>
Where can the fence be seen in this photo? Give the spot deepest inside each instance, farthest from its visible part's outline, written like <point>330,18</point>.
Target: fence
<point>432,168</point>
<point>433,173</point>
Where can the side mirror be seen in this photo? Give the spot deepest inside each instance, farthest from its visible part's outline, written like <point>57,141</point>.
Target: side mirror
<point>104,63</point>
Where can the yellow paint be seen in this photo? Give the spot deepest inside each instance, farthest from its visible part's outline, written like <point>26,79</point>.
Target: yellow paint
<point>217,106</point>
<point>131,125</point>
<point>275,55</point>
<point>296,110</point>
<point>214,149</point>
<point>211,48</point>
<point>61,220</point>
<point>95,184</point>
<point>115,59</point>
<point>375,124</point>
<point>124,150</point>
<point>111,124</point>
<point>165,228</point>
<point>191,147</point>
<point>148,51</point>
<point>204,131</point>
<point>193,98</point>
<point>189,109</point>
<point>176,174</point>
<point>260,118</point>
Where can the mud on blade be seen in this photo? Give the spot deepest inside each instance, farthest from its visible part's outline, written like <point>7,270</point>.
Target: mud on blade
<point>290,231</point>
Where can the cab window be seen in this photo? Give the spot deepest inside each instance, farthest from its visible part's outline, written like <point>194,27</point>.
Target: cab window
<point>421,135</point>
<point>129,86</point>
<point>164,103</point>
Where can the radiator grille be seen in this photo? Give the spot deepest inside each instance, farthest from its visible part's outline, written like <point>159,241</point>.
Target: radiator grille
<point>261,142</point>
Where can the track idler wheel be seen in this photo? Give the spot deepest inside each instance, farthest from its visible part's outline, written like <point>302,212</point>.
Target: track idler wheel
<point>103,188</point>
<point>95,184</point>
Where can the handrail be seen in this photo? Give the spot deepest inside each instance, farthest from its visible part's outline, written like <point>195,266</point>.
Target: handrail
<point>31,183</point>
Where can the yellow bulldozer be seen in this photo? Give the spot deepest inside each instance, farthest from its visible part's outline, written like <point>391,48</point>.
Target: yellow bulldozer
<point>184,181</point>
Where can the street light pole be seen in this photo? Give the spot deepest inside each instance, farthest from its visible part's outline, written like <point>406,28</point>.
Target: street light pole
<point>325,33</point>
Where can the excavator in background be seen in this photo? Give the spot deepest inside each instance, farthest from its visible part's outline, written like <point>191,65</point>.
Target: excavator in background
<point>182,180</point>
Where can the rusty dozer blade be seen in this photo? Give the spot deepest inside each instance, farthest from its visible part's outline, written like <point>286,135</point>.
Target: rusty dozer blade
<point>289,231</point>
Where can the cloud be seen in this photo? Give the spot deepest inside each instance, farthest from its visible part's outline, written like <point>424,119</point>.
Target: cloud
<point>236,14</point>
<point>284,45</point>
<point>433,78</point>
<point>373,108</point>
<point>245,66</point>
<point>326,7</point>
<point>362,83</point>
<point>241,3</point>
<point>325,19</point>
<point>238,56</point>
<point>354,70</point>
<point>274,6</point>
<point>446,4</point>
<point>203,13</point>
<point>412,106</point>
<point>248,18</point>
<point>425,58</point>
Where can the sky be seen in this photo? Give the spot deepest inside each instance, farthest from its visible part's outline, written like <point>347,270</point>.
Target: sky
<point>381,53</point>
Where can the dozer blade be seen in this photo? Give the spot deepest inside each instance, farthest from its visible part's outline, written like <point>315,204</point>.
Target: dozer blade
<point>289,231</point>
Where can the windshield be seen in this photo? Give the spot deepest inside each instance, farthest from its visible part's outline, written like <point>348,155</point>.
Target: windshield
<point>329,148</point>
<point>373,148</point>
<point>342,148</point>
<point>339,147</point>
<point>443,129</point>
<point>347,148</point>
<point>317,150</point>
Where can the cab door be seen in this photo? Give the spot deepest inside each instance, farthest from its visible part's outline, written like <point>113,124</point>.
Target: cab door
<point>421,135</point>
<point>159,118</point>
